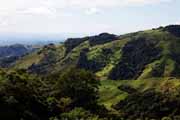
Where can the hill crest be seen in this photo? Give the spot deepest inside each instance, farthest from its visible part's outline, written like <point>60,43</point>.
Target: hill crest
<point>144,54</point>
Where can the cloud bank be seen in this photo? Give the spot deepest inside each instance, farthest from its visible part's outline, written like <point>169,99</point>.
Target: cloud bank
<point>19,12</point>
<point>52,6</point>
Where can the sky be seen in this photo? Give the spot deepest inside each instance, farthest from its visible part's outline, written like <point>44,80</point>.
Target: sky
<point>86,16</point>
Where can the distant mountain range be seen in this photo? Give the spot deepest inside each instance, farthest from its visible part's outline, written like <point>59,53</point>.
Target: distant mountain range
<point>9,54</point>
<point>28,39</point>
<point>28,42</point>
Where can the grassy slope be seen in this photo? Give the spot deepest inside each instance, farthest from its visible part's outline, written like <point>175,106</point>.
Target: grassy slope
<point>111,60</point>
<point>27,61</point>
<point>168,43</point>
<point>111,95</point>
<point>38,56</point>
<point>95,53</point>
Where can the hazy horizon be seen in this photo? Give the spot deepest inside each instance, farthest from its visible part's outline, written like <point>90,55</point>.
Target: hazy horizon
<point>43,39</point>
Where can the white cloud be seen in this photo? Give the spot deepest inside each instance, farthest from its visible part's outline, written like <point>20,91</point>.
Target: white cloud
<point>2,23</point>
<point>109,3</point>
<point>26,15</point>
<point>4,20</point>
<point>49,6</point>
<point>92,11</point>
<point>39,11</point>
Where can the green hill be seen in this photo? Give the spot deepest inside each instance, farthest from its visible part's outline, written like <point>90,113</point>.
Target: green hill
<point>140,55</point>
<point>137,78</point>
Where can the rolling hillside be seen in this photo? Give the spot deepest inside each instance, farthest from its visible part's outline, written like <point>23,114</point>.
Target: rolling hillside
<point>137,77</point>
<point>139,55</point>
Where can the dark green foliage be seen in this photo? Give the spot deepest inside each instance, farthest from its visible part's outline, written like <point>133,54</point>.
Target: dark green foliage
<point>127,88</point>
<point>135,55</point>
<point>24,96</point>
<point>50,58</point>
<point>73,42</point>
<point>149,104</point>
<point>176,71</point>
<point>175,55</point>
<point>158,69</point>
<point>91,65</point>
<point>93,40</point>
<point>81,88</point>
<point>78,113</point>
<point>19,96</point>
<point>102,39</point>
<point>79,85</point>
<point>173,29</point>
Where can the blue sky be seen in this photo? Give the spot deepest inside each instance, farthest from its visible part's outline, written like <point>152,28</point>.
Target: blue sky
<point>86,16</point>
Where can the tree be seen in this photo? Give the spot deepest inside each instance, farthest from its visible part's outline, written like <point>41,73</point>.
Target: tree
<point>20,97</point>
<point>79,85</point>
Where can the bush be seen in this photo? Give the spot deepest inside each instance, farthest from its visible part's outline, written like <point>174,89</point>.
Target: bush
<point>79,85</point>
<point>166,118</point>
<point>78,114</point>
<point>20,97</point>
<point>149,103</point>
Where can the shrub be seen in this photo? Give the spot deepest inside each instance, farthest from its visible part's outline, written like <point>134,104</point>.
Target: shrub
<point>79,85</point>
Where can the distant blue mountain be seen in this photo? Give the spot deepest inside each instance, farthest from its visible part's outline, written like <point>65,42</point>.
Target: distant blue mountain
<point>9,54</point>
<point>29,39</point>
